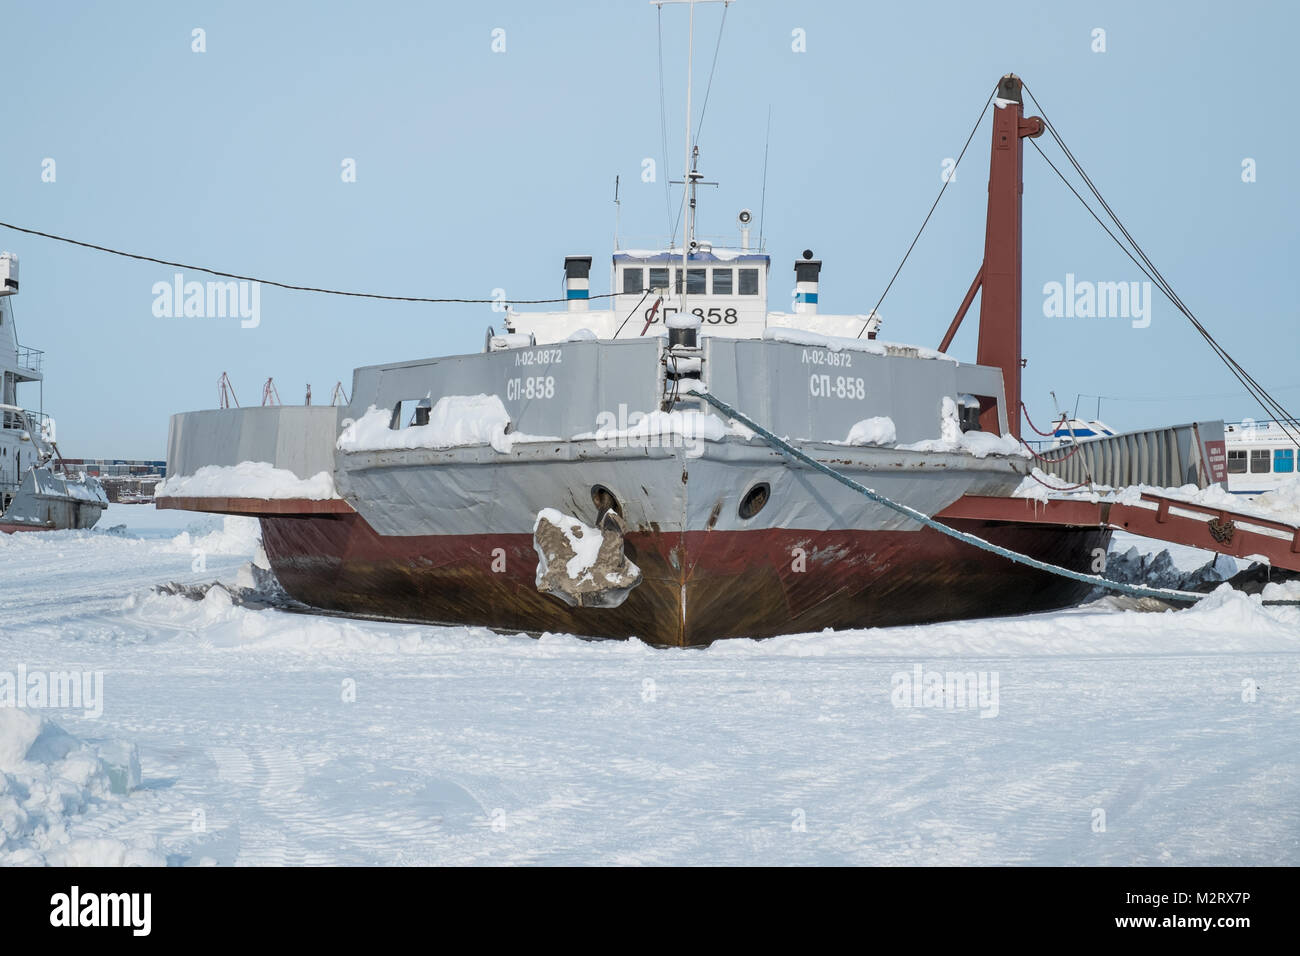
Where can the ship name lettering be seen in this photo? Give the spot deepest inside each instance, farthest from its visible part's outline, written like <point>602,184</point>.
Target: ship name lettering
<point>839,386</point>
<point>534,386</point>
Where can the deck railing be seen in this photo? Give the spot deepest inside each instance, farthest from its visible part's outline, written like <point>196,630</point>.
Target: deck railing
<point>1159,457</point>
<point>30,358</point>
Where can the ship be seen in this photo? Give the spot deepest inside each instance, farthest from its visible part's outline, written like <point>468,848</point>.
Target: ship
<point>1262,458</point>
<point>591,470</point>
<point>39,491</point>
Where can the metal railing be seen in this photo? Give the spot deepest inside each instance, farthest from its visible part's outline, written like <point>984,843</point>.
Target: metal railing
<point>1159,457</point>
<point>29,358</point>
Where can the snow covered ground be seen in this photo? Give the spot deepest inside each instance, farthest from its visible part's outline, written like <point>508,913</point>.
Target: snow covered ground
<point>1093,736</point>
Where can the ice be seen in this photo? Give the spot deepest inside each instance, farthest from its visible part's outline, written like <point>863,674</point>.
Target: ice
<point>583,539</point>
<point>248,479</point>
<point>73,485</point>
<point>658,428</point>
<point>838,343</point>
<point>18,731</point>
<point>1282,504</point>
<point>274,738</point>
<point>871,431</point>
<point>597,572</point>
<point>1042,485</point>
<point>949,422</point>
<point>826,324</point>
<point>953,439</point>
<point>1282,501</point>
<point>454,421</point>
<point>549,328</point>
<point>237,535</point>
<point>718,254</point>
<point>48,780</point>
<point>1285,591</point>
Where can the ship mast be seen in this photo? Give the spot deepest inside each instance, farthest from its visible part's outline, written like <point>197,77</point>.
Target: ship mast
<point>691,154</point>
<point>688,192</point>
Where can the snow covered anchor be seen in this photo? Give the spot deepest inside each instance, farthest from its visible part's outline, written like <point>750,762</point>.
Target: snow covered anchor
<point>581,565</point>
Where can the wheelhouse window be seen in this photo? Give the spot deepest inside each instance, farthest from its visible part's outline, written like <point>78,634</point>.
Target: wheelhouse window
<point>1260,459</point>
<point>633,280</point>
<point>723,281</point>
<point>748,282</point>
<point>1284,460</point>
<point>696,281</point>
<point>1236,462</point>
<point>658,278</point>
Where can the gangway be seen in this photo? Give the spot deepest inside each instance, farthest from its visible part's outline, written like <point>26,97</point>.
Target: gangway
<point>1239,534</point>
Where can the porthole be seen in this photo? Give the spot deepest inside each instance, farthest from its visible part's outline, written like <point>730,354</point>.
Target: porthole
<point>605,500</point>
<point>755,499</point>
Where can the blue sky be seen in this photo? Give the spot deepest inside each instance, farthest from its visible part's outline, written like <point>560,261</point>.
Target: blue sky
<point>478,170</point>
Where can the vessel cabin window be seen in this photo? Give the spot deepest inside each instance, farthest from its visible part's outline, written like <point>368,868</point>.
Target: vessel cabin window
<point>748,282</point>
<point>1236,462</point>
<point>696,281</point>
<point>658,278</point>
<point>1284,460</point>
<point>722,281</point>
<point>633,280</point>
<point>412,411</point>
<point>1259,461</point>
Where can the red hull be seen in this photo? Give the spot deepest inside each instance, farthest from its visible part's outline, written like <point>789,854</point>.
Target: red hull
<point>698,586</point>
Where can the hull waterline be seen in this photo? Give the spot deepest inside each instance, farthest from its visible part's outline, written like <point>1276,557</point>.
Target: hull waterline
<point>698,587</point>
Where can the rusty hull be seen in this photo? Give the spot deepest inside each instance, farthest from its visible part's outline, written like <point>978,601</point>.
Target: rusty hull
<point>698,587</point>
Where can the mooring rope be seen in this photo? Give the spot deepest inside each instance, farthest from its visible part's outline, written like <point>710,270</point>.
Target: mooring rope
<point>1052,434</point>
<point>1137,590</point>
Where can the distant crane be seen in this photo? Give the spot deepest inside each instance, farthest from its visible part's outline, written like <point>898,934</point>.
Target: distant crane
<point>270,395</point>
<point>226,392</point>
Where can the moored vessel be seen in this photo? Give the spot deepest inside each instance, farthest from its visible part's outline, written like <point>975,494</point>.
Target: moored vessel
<point>38,490</point>
<point>421,499</point>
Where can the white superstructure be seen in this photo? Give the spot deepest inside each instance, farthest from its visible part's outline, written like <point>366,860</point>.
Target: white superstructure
<point>1261,457</point>
<point>38,492</point>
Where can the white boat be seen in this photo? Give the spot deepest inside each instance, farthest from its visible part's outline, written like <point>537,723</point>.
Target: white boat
<point>1261,457</point>
<point>38,490</point>
<point>1078,430</point>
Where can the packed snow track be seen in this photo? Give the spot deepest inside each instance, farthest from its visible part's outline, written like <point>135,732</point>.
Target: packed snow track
<point>232,735</point>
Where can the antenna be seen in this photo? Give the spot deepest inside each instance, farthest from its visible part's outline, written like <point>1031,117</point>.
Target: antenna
<point>690,174</point>
<point>694,178</point>
<point>618,208</point>
<point>686,164</point>
<point>762,205</point>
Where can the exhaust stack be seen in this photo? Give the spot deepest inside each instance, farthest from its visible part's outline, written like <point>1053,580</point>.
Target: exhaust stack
<point>806,279</point>
<point>577,282</point>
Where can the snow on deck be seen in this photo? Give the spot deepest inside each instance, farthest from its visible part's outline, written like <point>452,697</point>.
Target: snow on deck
<point>839,343</point>
<point>248,479</point>
<point>454,421</point>
<point>1281,504</point>
<point>315,739</point>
